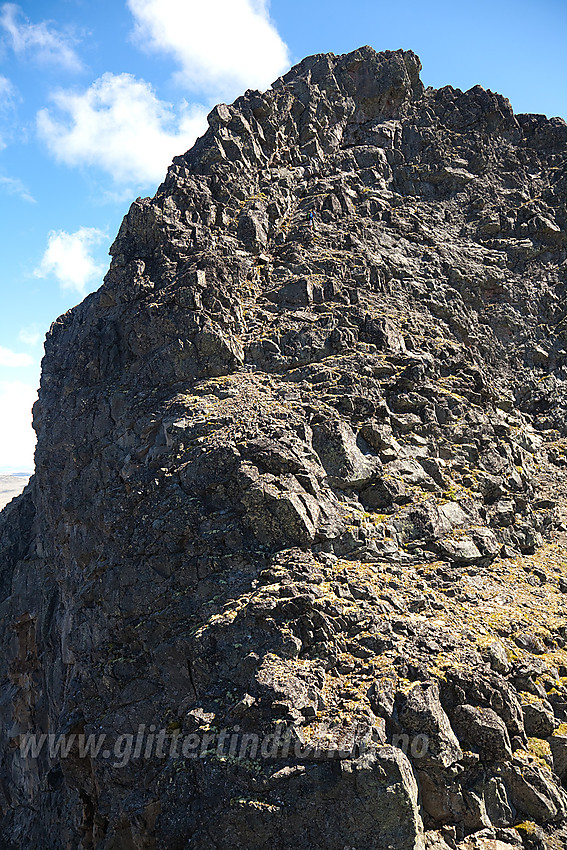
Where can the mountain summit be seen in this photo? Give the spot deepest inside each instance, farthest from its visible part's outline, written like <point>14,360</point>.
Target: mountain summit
<point>291,569</point>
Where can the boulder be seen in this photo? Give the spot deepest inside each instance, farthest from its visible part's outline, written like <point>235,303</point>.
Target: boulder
<point>481,730</point>
<point>534,793</point>
<point>558,745</point>
<point>345,465</point>
<point>420,713</point>
<point>370,801</point>
<point>539,720</point>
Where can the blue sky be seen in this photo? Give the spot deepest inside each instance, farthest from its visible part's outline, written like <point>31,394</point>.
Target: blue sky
<point>96,98</point>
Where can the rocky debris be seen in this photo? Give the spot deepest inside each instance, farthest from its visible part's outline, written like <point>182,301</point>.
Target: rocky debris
<point>300,498</point>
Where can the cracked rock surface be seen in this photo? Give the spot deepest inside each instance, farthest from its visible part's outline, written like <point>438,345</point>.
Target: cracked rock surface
<point>303,477</point>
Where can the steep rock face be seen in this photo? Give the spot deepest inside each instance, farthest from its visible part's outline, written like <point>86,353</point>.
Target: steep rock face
<point>300,477</point>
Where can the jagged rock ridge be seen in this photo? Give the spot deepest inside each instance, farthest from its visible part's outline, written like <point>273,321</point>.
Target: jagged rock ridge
<point>300,473</point>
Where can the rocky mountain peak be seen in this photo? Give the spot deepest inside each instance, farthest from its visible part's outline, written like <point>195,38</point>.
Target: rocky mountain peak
<point>378,83</point>
<point>332,93</point>
<point>300,476</point>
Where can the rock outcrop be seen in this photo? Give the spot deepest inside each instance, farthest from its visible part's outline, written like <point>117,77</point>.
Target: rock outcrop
<point>294,551</point>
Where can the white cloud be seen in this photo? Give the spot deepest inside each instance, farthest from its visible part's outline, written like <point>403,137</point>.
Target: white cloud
<point>222,46</point>
<point>12,360</point>
<point>39,40</point>
<point>6,90</point>
<point>17,438</point>
<point>7,98</point>
<point>13,186</point>
<point>120,125</point>
<point>30,335</point>
<point>68,257</point>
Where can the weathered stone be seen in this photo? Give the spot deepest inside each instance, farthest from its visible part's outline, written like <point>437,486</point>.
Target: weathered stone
<point>296,292</point>
<point>221,354</point>
<point>276,682</point>
<point>421,713</point>
<point>461,550</point>
<point>252,230</point>
<point>384,491</point>
<point>482,730</point>
<point>533,643</point>
<point>539,720</point>
<point>485,843</point>
<point>223,534</point>
<point>496,802</point>
<point>558,744</point>
<point>534,794</point>
<point>279,515</point>
<point>344,463</point>
<point>371,801</point>
<point>497,658</point>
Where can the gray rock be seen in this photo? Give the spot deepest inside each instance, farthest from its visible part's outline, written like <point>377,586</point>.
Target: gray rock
<point>558,744</point>
<point>420,712</point>
<point>539,720</point>
<point>296,292</point>
<point>344,463</point>
<point>497,658</point>
<point>534,794</point>
<point>223,534</point>
<point>496,802</point>
<point>252,230</point>
<point>341,803</point>
<point>482,730</point>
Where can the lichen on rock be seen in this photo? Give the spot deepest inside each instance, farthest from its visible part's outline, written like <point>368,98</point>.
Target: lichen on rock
<point>296,540</point>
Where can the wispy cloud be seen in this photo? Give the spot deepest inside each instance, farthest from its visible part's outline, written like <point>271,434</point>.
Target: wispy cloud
<point>39,41</point>
<point>13,360</point>
<point>17,438</point>
<point>7,102</point>
<point>6,91</point>
<point>119,125</point>
<point>68,257</point>
<point>14,186</point>
<point>30,335</point>
<point>221,46</point>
